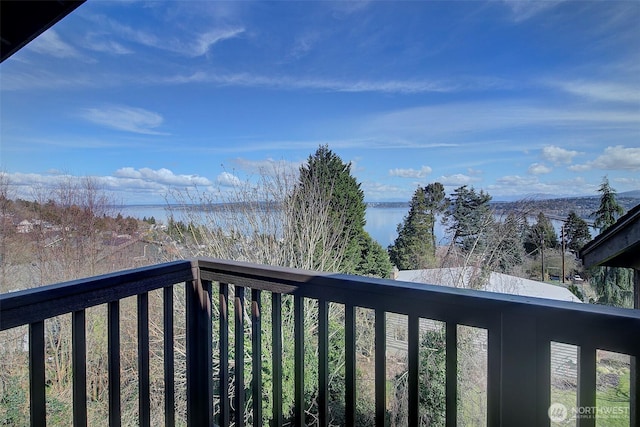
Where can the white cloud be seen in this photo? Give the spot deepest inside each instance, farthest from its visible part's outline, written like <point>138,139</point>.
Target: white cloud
<point>100,43</point>
<point>538,169</point>
<point>600,91</point>
<point>129,119</point>
<point>196,46</point>
<point>50,43</point>
<point>613,158</point>
<point>531,186</point>
<point>411,173</point>
<point>558,155</point>
<point>204,41</point>
<point>376,191</point>
<point>268,166</point>
<point>336,85</point>
<point>161,176</point>
<point>521,10</point>
<point>227,179</point>
<point>457,180</point>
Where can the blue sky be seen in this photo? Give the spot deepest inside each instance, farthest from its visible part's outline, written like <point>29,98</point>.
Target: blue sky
<point>518,98</point>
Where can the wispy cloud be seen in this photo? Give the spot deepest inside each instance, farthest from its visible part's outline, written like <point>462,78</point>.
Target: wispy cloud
<point>521,10</point>
<point>50,43</point>
<point>613,158</point>
<point>328,84</point>
<point>525,186</point>
<point>600,91</point>
<point>411,173</point>
<point>124,118</point>
<point>449,122</point>
<point>204,41</point>
<point>187,44</point>
<point>102,43</point>
<point>267,167</point>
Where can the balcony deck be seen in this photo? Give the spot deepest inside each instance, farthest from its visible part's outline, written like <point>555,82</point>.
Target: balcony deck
<point>519,330</point>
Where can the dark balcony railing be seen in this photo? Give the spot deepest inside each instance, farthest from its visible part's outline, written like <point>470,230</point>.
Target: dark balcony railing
<point>519,334</point>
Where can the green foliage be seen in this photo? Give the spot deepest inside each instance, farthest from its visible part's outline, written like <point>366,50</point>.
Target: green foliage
<point>432,380</point>
<point>576,232</point>
<point>576,291</point>
<point>415,246</point>
<point>613,285</point>
<point>541,235</point>
<point>469,217</point>
<point>13,399</point>
<point>325,172</point>
<point>374,260</point>
<point>610,210</point>
<point>432,371</point>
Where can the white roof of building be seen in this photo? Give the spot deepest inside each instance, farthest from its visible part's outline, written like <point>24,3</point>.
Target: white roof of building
<point>459,277</point>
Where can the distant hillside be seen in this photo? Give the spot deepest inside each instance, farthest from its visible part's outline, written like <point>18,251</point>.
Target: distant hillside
<point>557,208</point>
<point>560,208</point>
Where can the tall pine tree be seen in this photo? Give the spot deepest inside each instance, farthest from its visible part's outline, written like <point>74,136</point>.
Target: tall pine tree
<point>614,286</point>
<point>415,246</point>
<point>576,232</point>
<point>469,217</point>
<point>326,175</point>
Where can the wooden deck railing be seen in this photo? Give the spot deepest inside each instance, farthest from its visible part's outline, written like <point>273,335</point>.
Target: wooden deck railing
<point>519,332</point>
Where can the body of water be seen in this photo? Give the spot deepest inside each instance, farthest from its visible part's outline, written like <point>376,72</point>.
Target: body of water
<point>381,222</point>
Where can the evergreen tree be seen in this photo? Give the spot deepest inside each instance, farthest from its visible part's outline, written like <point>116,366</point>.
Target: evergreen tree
<point>468,217</point>
<point>576,232</point>
<point>614,286</point>
<point>415,246</point>
<point>328,174</point>
<point>374,260</point>
<point>610,210</point>
<point>437,203</point>
<point>541,235</point>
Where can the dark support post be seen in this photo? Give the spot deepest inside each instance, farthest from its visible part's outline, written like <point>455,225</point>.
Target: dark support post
<point>224,353</point>
<point>586,383</point>
<point>451,370</point>
<point>512,363</point>
<point>199,364</point>
<point>276,357</point>
<point>323,362</point>
<point>634,386</point>
<point>238,371</point>
<point>381,367</point>
<point>256,358</point>
<point>350,365</point>
<point>113,346</point>
<point>79,367</point>
<point>414,366</point>
<point>298,332</point>
<point>169,375</point>
<point>37,397</point>
<point>144,390</point>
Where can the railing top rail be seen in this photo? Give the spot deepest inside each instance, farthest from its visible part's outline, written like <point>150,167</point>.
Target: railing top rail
<point>614,328</point>
<point>611,328</point>
<point>276,278</point>
<point>30,305</point>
